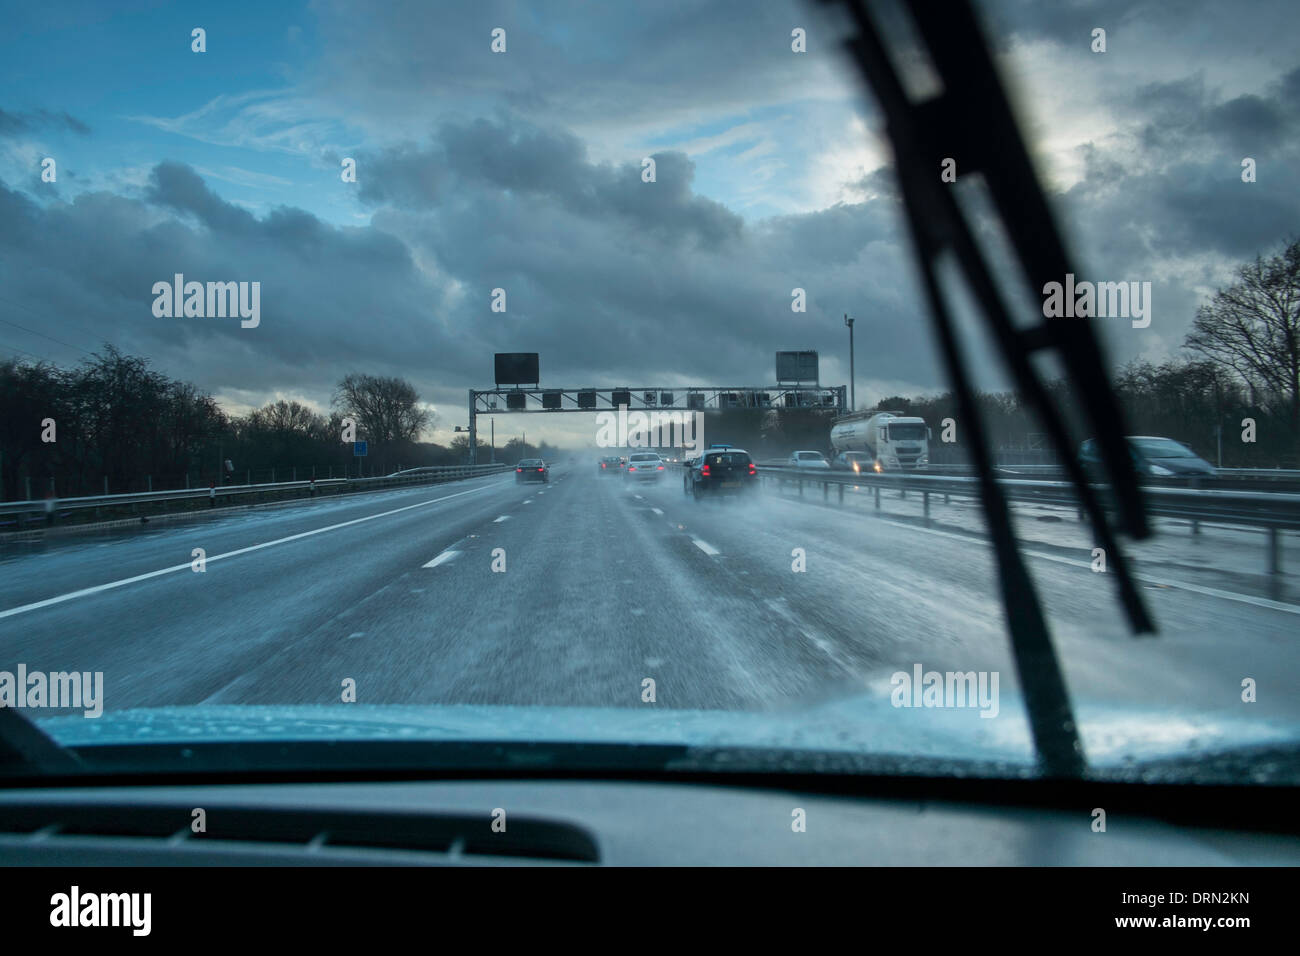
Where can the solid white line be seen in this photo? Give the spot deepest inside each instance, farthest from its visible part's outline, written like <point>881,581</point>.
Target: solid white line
<point>84,592</point>
<point>705,546</point>
<point>443,559</point>
<point>501,519</point>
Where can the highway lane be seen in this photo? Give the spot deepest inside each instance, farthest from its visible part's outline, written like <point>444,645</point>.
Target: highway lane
<point>606,582</point>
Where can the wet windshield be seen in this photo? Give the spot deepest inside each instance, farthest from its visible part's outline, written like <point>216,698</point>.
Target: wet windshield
<point>280,318</point>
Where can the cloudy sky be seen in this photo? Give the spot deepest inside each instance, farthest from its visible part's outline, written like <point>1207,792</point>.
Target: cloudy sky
<point>522,170</point>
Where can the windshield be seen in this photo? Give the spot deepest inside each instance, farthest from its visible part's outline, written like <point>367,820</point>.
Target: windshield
<point>281,317</point>
<point>906,432</point>
<point>1161,448</point>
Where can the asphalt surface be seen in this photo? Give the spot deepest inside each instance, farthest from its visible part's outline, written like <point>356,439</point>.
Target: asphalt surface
<point>606,582</point>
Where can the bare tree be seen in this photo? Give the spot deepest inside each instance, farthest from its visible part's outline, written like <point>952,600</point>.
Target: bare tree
<point>292,417</point>
<point>1253,327</point>
<point>386,409</point>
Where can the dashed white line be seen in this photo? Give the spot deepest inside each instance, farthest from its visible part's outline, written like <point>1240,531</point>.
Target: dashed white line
<point>705,546</point>
<point>656,511</point>
<point>501,519</point>
<point>443,558</point>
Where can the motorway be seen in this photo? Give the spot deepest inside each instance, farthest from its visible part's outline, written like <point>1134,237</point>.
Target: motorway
<point>606,582</point>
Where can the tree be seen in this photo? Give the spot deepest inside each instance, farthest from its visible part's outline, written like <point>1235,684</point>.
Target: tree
<point>1253,328</point>
<point>289,418</point>
<point>386,410</point>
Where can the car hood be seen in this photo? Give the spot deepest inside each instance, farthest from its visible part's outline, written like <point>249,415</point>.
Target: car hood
<point>862,725</point>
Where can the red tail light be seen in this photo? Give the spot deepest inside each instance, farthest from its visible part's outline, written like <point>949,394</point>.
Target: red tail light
<point>631,467</point>
<point>660,468</point>
<point>518,469</point>
<point>541,469</point>
<point>705,471</point>
<point>752,469</point>
<point>602,464</point>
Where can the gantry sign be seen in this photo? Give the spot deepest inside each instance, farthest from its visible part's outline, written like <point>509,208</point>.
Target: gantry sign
<point>537,400</point>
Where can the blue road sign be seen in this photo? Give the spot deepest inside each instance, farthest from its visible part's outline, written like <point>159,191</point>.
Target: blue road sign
<point>359,449</point>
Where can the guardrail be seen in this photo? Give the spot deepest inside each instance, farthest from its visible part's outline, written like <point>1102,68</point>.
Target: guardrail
<point>53,509</point>
<point>1273,511</point>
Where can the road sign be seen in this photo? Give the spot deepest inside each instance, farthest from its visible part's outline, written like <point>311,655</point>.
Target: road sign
<point>797,367</point>
<point>359,449</point>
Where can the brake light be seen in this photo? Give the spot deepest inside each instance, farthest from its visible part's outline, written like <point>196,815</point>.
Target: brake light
<point>518,469</point>
<point>602,464</point>
<point>659,468</point>
<point>631,467</point>
<point>541,469</point>
<point>752,469</point>
<point>704,471</point>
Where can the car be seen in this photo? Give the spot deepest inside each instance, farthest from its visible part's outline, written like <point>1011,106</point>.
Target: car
<point>723,471</point>
<point>1155,457</point>
<point>858,462</point>
<point>531,469</point>
<point>644,466</point>
<point>611,465</point>
<point>808,459</point>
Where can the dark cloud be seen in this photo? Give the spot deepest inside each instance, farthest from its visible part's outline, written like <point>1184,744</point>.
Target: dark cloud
<point>551,166</point>
<point>332,299</point>
<point>179,187</point>
<point>14,124</point>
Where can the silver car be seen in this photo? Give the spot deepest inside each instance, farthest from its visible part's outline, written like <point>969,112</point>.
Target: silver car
<point>644,466</point>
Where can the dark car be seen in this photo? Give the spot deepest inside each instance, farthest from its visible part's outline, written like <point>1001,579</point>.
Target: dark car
<point>1155,458</point>
<point>532,469</point>
<point>610,466</point>
<point>723,471</point>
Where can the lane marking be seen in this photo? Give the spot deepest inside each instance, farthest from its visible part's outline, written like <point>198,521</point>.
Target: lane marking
<point>501,519</point>
<point>443,559</point>
<point>705,546</point>
<point>656,511</point>
<point>84,592</point>
<point>529,501</point>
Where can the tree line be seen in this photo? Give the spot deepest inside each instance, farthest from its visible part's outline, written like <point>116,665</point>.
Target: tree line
<point>115,422</point>
<point>1238,379</point>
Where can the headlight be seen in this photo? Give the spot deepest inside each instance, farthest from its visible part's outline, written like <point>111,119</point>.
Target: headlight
<point>1160,470</point>
<point>857,467</point>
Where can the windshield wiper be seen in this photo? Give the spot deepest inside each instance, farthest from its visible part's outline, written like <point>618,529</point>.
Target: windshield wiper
<point>971,121</point>
<point>25,748</point>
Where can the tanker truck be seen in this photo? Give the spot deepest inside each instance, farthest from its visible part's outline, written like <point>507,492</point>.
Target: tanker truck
<point>893,441</point>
